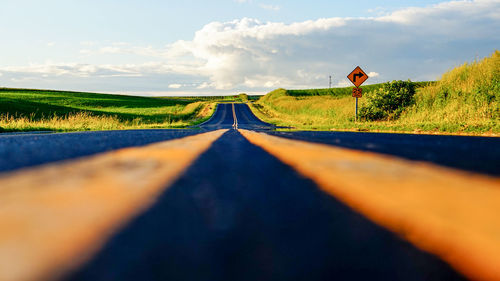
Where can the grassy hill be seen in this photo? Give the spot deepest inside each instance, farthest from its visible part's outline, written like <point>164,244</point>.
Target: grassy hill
<point>25,109</point>
<point>464,100</point>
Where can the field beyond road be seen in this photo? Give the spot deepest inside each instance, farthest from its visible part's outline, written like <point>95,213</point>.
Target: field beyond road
<point>35,110</point>
<point>465,100</point>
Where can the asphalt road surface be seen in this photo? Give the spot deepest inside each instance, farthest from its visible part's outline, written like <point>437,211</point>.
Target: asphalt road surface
<point>238,213</point>
<point>27,150</point>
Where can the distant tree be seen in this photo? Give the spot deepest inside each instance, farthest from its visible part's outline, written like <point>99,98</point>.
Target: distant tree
<point>243,97</point>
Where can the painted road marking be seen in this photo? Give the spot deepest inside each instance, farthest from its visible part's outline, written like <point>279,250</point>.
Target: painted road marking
<point>55,217</point>
<point>235,123</point>
<point>450,213</point>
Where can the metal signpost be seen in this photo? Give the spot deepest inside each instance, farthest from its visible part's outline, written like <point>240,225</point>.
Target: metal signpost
<point>357,77</point>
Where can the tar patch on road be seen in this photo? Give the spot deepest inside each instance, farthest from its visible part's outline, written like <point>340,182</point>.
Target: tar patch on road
<point>240,214</point>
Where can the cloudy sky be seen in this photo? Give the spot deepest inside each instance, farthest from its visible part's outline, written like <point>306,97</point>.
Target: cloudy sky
<point>197,47</point>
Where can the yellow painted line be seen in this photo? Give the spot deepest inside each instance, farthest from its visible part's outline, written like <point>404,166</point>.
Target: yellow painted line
<point>55,217</point>
<point>235,122</point>
<point>453,214</point>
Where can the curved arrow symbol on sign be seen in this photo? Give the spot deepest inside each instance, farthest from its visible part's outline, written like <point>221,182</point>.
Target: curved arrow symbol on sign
<point>358,75</point>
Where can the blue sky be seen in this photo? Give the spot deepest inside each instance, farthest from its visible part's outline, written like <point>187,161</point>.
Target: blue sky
<point>227,46</point>
<point>158,22</point>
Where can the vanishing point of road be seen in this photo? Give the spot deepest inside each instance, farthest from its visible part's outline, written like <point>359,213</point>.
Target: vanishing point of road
<point>236,199</point>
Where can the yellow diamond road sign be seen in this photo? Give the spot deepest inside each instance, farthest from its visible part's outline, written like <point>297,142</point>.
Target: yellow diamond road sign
<point>357,76</point>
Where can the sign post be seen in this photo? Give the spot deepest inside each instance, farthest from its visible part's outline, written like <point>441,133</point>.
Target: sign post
<point>356,111</point>
<point>357,77</point>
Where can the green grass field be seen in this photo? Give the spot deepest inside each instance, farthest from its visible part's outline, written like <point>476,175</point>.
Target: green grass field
<point>465,100</point>
<point>25,110</point>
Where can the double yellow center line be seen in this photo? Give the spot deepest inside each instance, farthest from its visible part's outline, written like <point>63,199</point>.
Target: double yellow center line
<point>450,213</point>
<point>55,217</point>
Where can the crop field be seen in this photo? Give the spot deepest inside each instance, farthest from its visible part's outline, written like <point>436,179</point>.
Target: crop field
<point>26,110</point>
<point>465,100</point>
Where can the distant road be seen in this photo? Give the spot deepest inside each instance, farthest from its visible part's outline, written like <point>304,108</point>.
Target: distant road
<point>249,206</point>
<point>223,118</point>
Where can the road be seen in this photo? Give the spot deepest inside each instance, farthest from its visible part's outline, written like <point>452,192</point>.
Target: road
<point>244,210</point>
<point>227,115</point>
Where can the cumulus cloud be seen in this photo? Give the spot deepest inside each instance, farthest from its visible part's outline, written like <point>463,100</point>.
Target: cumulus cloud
<point>251,55</point>
<point>244,52</point>
<point>416,43</point>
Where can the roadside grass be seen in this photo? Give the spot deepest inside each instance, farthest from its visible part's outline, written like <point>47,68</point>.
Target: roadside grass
<point>317,109</point>
<point>464,101</point>
<point>467,98</point>
<point>309,113</point>
<point>29,110</point>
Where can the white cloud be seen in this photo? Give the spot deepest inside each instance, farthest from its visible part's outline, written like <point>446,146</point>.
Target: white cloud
<point>445,13</point>
<point>270,7</point>
<point>77,70</point>
<point>51,44</point>
<point>120,48</point>
<point>238,52</point>
<point>250,55</point>
<point>379,11</point>
<point>110,50</point>
<point>343,83</point>
<point>175,86</point>
<point>416,43</point>
<point>205,85</point>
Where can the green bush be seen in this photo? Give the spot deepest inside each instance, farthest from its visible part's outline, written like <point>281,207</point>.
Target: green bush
<point>389,101</point>
<point>243,97</point>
